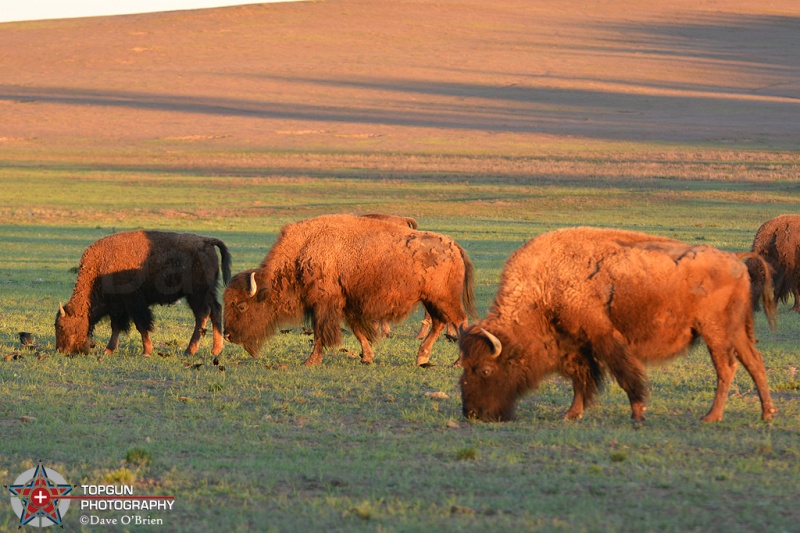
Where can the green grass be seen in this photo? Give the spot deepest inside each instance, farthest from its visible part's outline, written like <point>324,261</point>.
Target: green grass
<point>267,444</point>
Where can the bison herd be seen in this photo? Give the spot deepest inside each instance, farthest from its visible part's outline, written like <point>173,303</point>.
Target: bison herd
<point>585,303</point>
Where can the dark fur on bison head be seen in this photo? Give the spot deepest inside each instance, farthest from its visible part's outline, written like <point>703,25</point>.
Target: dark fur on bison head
<point>489,390</point>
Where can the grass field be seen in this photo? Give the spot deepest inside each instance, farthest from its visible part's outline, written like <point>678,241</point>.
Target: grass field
<point>269,444</point>
<point>491,122</point>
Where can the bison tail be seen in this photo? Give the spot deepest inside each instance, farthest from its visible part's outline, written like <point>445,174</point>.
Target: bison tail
<point>468,292</point>
<point>226,259</point>
<point>761,282</point>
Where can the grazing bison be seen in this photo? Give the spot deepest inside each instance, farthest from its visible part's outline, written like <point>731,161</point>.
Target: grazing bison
<point>425,326</point>
<point>778,241</point>
<point>122,275</point>
<point>584,302</point>
<point>354,269</point>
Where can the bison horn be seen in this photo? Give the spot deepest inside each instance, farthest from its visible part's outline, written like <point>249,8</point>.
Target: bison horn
<point>498,346</point>
<point>253,287</point>
<point>61,311</point>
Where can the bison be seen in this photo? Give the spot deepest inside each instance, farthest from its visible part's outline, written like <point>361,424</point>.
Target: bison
<point>778,241</point>
<point>425,327</point>
<point>584,302</point>
<point>354,269</point>
<point>122,275</point>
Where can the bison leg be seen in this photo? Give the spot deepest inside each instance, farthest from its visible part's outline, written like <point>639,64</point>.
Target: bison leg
<point>424,327</point>
<point>585,375</point>
<point>424,353</point>
<point>452,332</point>
<point>119,323</point>
<point>575,411</point>
<point>612,350</point>
<point>796,293</point>
<point>216,323</point>
<point>147,344</point>
<point>316,354</point>
<point>725,364</point>
<point>754,363</point>
<point>113,342</point>
<point>203,309</point>
<point>138,309</point>
<point>194,342</point>
<point>367,354</point>
<point>326,318</point>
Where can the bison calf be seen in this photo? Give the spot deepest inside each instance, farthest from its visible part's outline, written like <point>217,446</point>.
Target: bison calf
<point>584,302</point>
<point>122,275</point>
<point>359,270</point>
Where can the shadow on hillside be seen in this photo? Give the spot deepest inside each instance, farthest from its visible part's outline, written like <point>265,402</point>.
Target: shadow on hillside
<point>758,49</point>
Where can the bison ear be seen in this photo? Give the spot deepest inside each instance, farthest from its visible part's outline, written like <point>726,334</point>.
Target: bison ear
<point>261,295</point>
<point>497,346</point>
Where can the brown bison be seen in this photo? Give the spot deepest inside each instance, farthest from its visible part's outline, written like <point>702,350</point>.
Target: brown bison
<point>354,269</point>
<point>425,326</point>
<point>778,241</point>
<point>122,275</point>
<point>584,302</point>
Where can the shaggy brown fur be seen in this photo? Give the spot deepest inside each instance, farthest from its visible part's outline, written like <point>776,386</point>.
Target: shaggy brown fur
<point>778,241</point>
<point>354,269</point>
<point>402,221</point>
<point>122,275</point>
<point>425,326</point>
<point>583,302</point>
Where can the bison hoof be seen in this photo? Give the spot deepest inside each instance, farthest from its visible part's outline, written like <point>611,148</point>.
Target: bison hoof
<point>312,361</point>
<point>573,415</point>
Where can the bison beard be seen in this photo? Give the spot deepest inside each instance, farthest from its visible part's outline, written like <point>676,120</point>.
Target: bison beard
<point>584,302</point>
<point>360,270</point>
<point>122,275</point>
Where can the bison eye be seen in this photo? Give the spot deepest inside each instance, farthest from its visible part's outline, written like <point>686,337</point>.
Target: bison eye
<point>486,371</point>
<point>242,307</point>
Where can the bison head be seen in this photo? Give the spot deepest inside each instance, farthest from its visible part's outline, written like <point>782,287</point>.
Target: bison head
<point>72,332</point>
<point>244,320</point>
<point>489,386</point>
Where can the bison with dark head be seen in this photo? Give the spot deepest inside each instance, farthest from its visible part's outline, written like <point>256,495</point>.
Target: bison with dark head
<point>588,302</point>
<point>122,275</point>
<point>778,242</point>
<point>354,269</point>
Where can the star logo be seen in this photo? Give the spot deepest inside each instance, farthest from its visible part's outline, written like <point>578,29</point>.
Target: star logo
<point>37,494</point>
